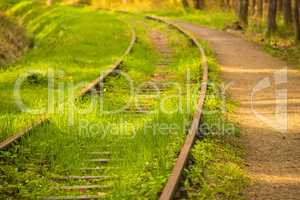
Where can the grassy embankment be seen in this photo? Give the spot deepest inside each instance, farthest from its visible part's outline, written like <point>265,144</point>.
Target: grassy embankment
<point>75,45</point>
<point>143,146</point>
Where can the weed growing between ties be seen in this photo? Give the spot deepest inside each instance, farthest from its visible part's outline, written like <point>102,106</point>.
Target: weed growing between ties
<point>217,166</point>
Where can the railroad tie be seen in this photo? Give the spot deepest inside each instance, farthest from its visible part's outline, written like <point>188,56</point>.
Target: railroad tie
<point>85,187</point>
<point>98,168</point>
<point>87,178</point>
<point>101,160</point>
<point>82,197</point>
<point>103,153</point>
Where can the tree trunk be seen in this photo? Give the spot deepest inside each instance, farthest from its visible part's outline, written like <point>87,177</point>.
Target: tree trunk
<point>237,7</point>
<point>266,8</point>
<point>199,4</point>
<point>227,4</point>
<point>297,20</point>
<point>260,8</point>
<point>185,4</point>
<point>243,12</point>
<point>287,11</point>
<point>280,5</point>
<point>253,7</point>
<point>272,13</point>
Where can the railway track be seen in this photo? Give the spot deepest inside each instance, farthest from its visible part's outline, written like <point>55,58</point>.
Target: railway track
<point>170,188</point>
<point>174,179</point>
<point>90,179</point>
<point>96,178</point>
<point>93,86</point>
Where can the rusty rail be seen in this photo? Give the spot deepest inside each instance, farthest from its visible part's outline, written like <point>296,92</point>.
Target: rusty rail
<point>88,89</point>
<point>96,83</point>
<point>173,181</point>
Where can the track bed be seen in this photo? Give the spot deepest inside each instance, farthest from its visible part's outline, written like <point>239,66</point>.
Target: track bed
<point>125,146</point>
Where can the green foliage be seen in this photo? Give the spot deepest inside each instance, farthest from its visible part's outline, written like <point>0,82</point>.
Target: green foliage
<point>280,44</point>
<point>37,79</point>
<point>216,172</point>
<point>6,4</point>
<point>210,18</point>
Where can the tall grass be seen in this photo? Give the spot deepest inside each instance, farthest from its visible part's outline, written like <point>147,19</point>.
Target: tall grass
<point>217,170</point>
<point>143,146</point>
<point>75,44</point>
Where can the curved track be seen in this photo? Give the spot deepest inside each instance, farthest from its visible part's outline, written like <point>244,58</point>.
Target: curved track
<point>173,181</point>
<point>94,85</point>
<point>269,123</point>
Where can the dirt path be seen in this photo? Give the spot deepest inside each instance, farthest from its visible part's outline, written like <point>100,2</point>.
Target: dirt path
<point>272,155</point>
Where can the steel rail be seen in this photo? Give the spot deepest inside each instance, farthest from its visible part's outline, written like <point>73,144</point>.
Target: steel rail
<point>170,188</point>
<point>96,84</point>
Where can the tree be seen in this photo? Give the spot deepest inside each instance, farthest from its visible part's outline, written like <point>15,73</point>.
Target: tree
<point>199,4</point>
<point>243,12</point>
<point>287,12</point>
<point>253,7</point>
<point>260,8</point>
<point>272,13</point>
<point>297,20</point>
<point>185,4</point>
<point>280,5</point>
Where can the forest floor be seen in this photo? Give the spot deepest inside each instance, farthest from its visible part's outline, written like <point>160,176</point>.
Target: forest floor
<point>272,155</point>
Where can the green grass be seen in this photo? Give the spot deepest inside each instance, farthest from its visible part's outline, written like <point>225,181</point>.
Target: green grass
<point>6,4</point>
<point>142,146</point>
<point>280,44</point>
<point>217,170</point>
<point>75,44</point>
<point>211,18</point>
<point>217,173</point>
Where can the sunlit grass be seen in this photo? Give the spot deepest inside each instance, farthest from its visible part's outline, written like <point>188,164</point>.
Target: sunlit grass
<point>76,44</point>
<point>142,146</point>
<point>211,18</point>
<point>217,169</point>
